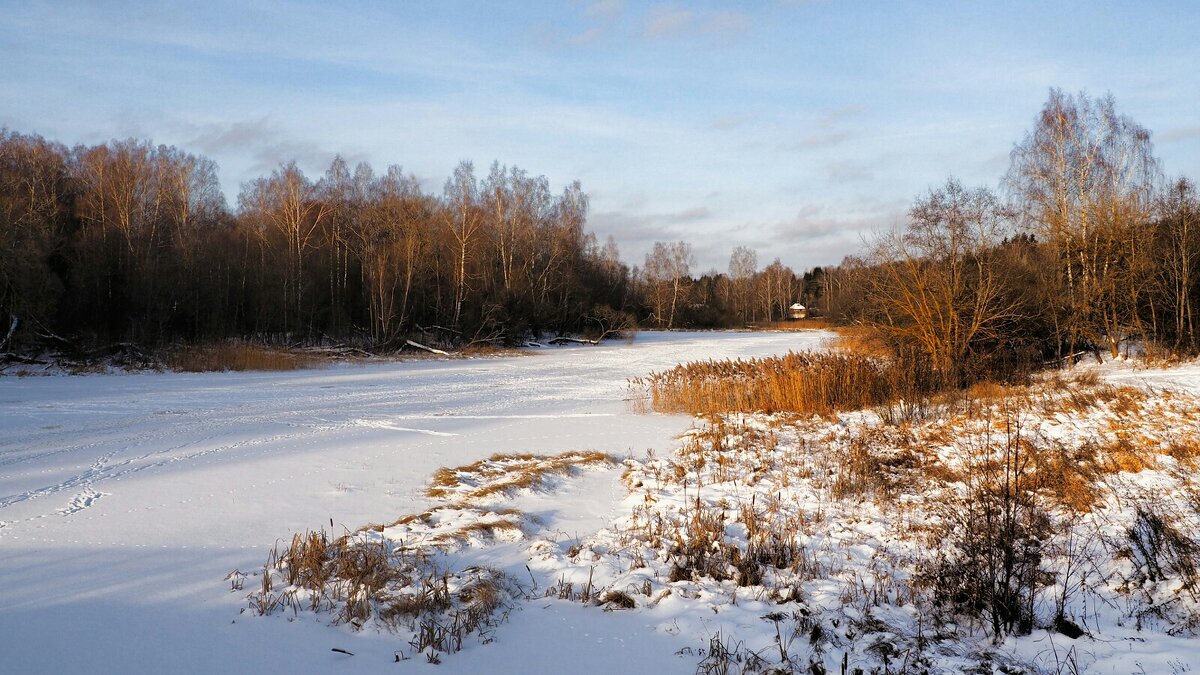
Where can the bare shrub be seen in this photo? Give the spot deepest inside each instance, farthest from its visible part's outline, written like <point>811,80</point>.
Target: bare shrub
<point>699,549</point>
<point>1162,551</point>
<point>991,566</point>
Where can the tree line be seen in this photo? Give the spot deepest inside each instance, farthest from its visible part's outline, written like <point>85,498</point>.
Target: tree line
<point>130,241</point>
<point>127,241</point>
<point>1088,248</point>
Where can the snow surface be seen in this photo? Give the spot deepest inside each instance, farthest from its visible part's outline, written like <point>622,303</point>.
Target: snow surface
<point>125,500</point>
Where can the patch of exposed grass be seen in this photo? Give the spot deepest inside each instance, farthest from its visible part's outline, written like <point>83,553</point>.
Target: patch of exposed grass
<point>505,474</point>
<point>489,350</point>
<point>237,356</point>
<point>456,524</point>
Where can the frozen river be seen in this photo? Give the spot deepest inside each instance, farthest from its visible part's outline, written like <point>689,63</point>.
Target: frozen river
<point>125,499</point>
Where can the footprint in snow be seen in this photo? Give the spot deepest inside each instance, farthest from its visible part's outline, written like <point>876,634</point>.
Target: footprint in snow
<point>82,501</point>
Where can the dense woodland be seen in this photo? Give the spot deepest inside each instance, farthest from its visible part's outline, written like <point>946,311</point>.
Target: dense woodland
<point>131,242</point>
<point>1087,247</point>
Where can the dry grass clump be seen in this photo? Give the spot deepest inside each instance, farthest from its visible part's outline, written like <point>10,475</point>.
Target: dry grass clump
<point>490,350</point>
<point>325,574</point>
<point>1185,450</point>
<point>880,462</point>
<point>1082,391</point>
<point>1064,476</point>
<point>1126,452</point>
<point>454,525</point>
<point>730,474</point>
<point>237,356</point>
<point>359,577</point>
<point>387,572</point>
<point>807,382</point>
<point>505,474</point>
<point>698,547</point>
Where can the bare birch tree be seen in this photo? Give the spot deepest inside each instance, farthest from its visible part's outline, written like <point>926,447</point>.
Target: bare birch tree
<point>1084,179</point>
<point>287,202</point>
<point>667,270</point>
<point>743,265</point>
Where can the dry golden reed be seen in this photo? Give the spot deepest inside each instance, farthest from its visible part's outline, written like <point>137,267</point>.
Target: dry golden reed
<point>796,324</point>
<point>236,356</point>
<point>806,382</point>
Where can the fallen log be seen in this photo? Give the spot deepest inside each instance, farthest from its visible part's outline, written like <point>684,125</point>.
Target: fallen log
<point>432,328</point>
<point>562,340</point>
<point>431,350</point>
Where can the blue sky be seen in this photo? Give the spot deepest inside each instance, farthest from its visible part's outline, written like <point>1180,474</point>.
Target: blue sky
<point>793,127</point>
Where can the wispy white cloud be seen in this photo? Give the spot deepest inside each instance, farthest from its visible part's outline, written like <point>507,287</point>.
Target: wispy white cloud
<point>843,171</point>
<point>823,139</point>
<point>727,122</point>
<point>260,145</point>
<point>676,22</point>
<point>637,230</point>
<point>663,22</point>
<point>604,9</point>
<point>599,21</point>
<point>836,116</point>
<point>822,233</point>
<point>828,128</point>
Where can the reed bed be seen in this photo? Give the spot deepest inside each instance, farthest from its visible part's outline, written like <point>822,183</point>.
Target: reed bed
<point>819,383</point>
<point>796,324</point>
<point>237,356</point>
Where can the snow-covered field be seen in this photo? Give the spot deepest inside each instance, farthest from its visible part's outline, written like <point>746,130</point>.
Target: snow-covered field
<point>125,500</point>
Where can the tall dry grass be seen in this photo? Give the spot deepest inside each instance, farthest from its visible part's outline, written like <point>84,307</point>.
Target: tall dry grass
<point>236,356</point>
<point>806,382</point>
<point>811,323</point>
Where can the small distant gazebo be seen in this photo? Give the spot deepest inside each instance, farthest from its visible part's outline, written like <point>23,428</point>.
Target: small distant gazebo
<point>797,311</point>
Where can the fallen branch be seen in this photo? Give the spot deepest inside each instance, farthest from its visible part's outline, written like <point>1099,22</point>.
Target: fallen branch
<point>431,350</point>
<point>9,357</point>
<point>12,328</point>
<point>1072,359</point>
<point>340,350</point>
<point>562,340</point>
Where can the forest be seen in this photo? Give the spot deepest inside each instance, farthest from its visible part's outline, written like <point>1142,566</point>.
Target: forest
<point>132,242</point>
<point>1087,247</point>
